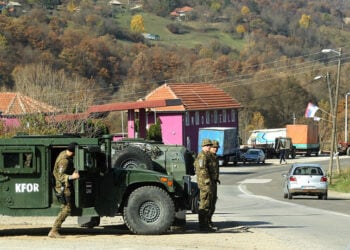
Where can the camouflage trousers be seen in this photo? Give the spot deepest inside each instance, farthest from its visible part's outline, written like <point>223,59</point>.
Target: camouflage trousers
<point>205,198</point>
<point>213,200</point>
<point>61,217</point>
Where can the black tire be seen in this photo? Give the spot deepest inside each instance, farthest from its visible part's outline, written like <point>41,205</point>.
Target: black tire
<point>285,196</point>
<point>149,210</point>
<point>132,157</point>
<point>290,196</point>
<point>325,196</point>
<point>195,203</point>
<point>348,151</point>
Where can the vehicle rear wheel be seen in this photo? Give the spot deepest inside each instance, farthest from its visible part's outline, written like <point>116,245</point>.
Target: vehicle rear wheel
<point>149,210</point>
<point>132,157</point>
<point>285,196</point>
<point>323,196</point>
<point>290,196</point>
<point>195,203</point>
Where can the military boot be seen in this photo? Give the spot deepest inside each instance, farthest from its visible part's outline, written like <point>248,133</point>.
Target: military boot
<point>54,233</point>
<point>211,225</point>
<point>203,222</point>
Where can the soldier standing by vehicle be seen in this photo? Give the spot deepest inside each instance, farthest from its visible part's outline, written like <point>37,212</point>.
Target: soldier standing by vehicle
<point>205,184</point>
<point>64,174</point>
<point>214,176</point>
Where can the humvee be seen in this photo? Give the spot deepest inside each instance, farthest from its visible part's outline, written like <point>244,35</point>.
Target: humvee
<point>145,182</point>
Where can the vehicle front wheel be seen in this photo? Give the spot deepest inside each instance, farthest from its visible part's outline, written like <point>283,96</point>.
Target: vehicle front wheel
<point>149,210</point>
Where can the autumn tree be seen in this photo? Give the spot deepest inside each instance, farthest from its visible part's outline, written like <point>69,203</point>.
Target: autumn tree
<point>56,88</point>
<point>137,24</point>
<point>304,21</point>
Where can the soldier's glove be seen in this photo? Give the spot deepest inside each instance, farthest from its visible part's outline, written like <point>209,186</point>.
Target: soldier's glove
<point>218,181</point>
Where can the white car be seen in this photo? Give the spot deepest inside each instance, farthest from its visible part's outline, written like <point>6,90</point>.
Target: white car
<point>305,179</point>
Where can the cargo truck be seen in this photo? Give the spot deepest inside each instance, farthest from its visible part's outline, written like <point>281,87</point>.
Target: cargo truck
<point>305,138</point>
<point>147,183</point>
<point>302,138</point>
<point>228,141</point>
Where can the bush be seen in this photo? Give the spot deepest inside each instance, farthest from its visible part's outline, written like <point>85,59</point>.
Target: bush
<point>176,28</point>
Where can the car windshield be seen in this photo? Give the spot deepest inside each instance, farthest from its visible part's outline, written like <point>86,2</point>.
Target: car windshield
<point>308,170</point>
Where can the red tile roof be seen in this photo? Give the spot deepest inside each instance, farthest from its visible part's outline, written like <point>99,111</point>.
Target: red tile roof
<point>13,104</point>
<point>194,96</point>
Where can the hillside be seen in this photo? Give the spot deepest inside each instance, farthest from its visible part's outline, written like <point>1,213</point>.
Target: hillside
<point>264,53</point>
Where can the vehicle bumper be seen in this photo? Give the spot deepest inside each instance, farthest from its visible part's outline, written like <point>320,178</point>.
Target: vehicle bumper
<point>301,191</point>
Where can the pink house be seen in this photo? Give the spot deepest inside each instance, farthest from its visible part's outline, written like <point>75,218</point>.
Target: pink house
<point>201,105</point>
<point>181,108</point>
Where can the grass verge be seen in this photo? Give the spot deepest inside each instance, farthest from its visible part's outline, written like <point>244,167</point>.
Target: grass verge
<point>341,182</point>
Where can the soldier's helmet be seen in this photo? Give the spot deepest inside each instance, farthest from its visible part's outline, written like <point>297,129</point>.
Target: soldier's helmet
<point>215,144</point>
<point>206,142</point>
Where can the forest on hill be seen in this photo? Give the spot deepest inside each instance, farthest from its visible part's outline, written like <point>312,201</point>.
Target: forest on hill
<point>265,54</point>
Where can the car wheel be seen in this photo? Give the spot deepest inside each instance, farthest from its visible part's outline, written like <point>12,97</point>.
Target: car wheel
<point>149,210</point>
<point>290,196</point>
<point>285,196</point>
<point>324,196</point>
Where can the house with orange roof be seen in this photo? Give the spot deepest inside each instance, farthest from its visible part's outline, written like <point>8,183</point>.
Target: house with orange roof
<point>201,105</point>
<point>14,105</point>
<point>181,12</point>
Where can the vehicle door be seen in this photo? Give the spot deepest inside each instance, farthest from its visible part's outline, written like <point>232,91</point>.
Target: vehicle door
<point>24,181</point>
<point>88,161</point>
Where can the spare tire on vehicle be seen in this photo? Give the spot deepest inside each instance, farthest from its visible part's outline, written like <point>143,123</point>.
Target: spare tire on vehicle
<point>132,157</point>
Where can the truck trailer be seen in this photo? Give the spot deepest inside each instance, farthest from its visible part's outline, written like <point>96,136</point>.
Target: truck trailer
<point>305,138</point>
<point>228,141</point>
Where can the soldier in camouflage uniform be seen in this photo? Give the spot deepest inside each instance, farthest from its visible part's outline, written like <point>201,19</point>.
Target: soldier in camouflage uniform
<point>202,165</point>
<point>64,174</point>
<point>214,176</point>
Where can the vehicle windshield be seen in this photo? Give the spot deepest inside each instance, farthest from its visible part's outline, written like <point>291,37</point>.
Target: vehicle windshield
<point>308,171</point>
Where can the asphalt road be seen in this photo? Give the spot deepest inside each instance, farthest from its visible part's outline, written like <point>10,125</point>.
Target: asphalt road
<point>251,214</point>
<point>255,192</point>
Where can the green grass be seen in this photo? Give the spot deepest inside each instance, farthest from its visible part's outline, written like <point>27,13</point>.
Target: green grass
<point>157,25</point>
<point>341,182</point>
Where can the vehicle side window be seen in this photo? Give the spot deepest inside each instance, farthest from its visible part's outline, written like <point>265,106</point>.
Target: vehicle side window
<point>17,160</point>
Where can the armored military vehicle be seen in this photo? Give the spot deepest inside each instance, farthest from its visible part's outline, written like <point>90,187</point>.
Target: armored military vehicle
<point>146,182</point>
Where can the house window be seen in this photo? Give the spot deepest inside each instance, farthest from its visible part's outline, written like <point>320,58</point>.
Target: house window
<point>215,116</point>
<point>192,120</point>
<point>224,115</point>
<point>197,117</point>
<point>187,119</point>
<point>202,119</point>
<point>233,115</point>
<point>207,117</point>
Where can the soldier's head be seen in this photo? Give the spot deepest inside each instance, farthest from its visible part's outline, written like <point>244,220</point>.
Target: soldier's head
<point>206,144</point>
<point>214,148</point>
<point>71,148</point>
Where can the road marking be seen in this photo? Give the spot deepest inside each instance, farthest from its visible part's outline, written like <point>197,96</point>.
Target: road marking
<point>257,181</point>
